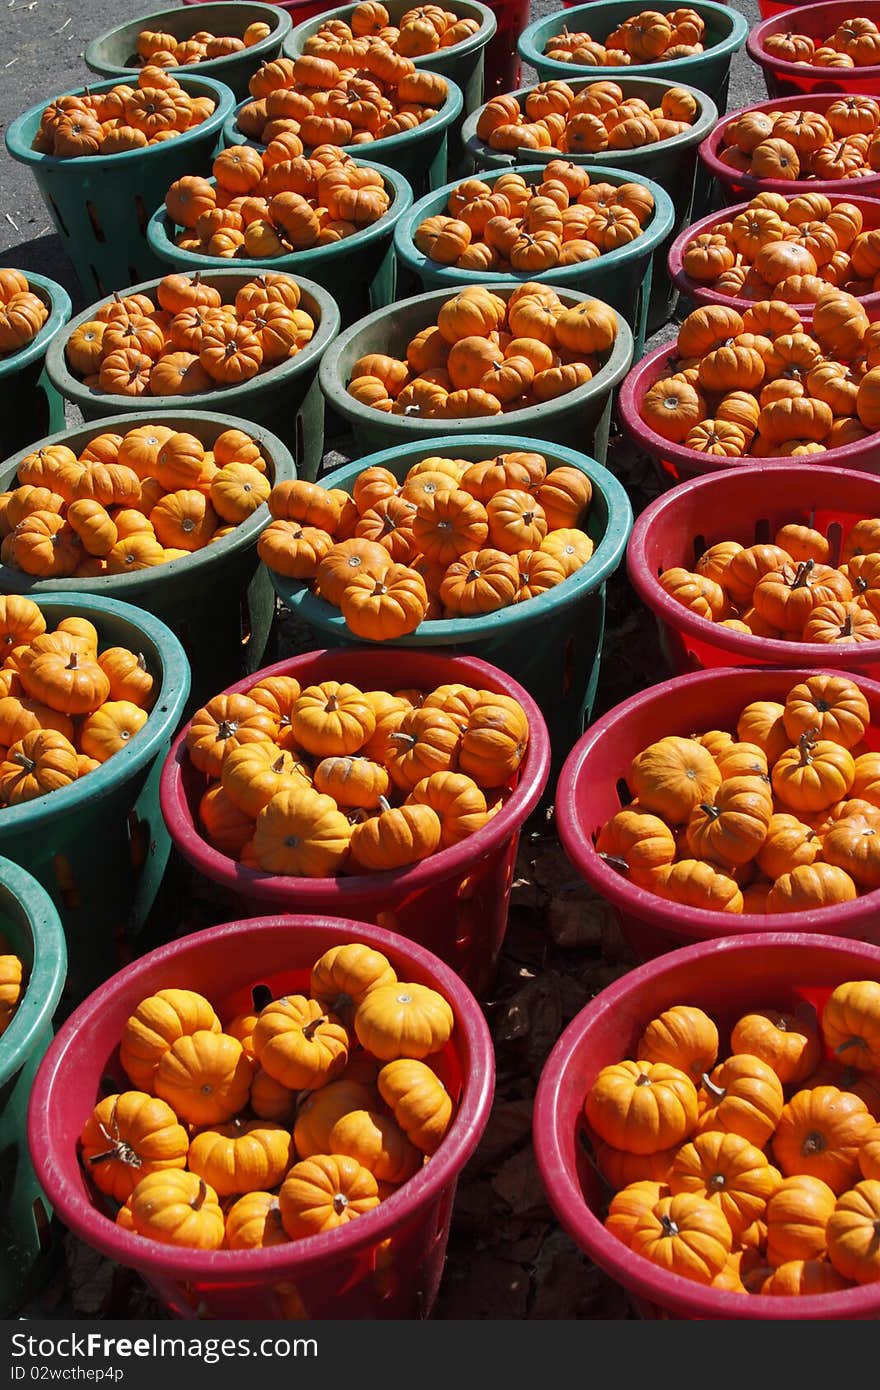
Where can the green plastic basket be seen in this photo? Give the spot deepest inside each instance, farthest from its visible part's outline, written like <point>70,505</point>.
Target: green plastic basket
<point>100,204</point>
<point>29,403</point>
<point>99,846</point>
<point>218,601</point>
<point>726,32</point>
<point>552,645</point>
<point>112,53</point>
<point>464,64</point>
<point>623,277</point>
<point>286,399</point>
<point>673,164</point>
<point>581,419</point>
<point>360,272</point>
<point>421,155</point>
<point>32,930</point>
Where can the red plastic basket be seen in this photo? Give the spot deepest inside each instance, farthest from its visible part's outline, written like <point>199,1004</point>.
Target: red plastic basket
<point>766,8</point>
<point>735,187</point>
<point>388,1263</point>
<point>699,293</point>
<point>592,787</point>
<point>454,903</point>
<point>726,978</point>
<point>746,506</point>
<point>674,462</point>
<point>784,79</point>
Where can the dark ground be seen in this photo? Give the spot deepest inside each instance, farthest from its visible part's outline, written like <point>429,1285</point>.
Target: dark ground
<point>507,1257</point>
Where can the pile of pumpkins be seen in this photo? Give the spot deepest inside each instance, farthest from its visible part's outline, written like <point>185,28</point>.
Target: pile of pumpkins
<point>780,815</point>
<point>595,118</point>
<point>154,48</point>
<point>485,355</point>
<point>756,1168</point>
<point>763,384</point>
<point>650,36</point>
<point>788,589</point>
<point>839,142</point>
<point>853,44</point>
<point>260,206</point>
<point>128,502</point>
<point>329,779</point>
<point>453,539</point>
<point>190,339</point>
<point>420,31</point>
<point>22,313</point>
<point>120,118</point>
<point>280,1124</point>
<point>11,982</point>
<point>67,705</point>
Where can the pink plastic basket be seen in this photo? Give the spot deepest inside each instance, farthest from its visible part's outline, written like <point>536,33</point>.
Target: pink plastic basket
<point>454,903</point>
<point>674,462</point>
<point>817,21</point>
<point>388,1263</point>
<point>592,787</point>
<point>699,293</point>
<point>726,978</point>
<point>736,187</point>
<point>748,506</point>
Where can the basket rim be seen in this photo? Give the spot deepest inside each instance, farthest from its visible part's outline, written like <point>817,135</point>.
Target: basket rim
<point>279,888</point>
<point>732,42</point>
<point>612,372</point>
<point>60,309</point>
<point>660,225</point>
<point>705,294</point>
<point>160,241</point>
<point>163,717</point>
<point>641,903</point>
<point>22,130</point>
<point>766,650</point>
<point>734,178</point>
<point>769,63</point>
<point>228,1266</point>
<point>279,19</point>
<point>470,9</point>
<point>72,389</point>
<point>48,968</point>
<point>606,557</point>
<point>650,369</point>
<point>441,120</point>
<point>705,122</point>
<point>113,585</point>
<point>564,1193</point>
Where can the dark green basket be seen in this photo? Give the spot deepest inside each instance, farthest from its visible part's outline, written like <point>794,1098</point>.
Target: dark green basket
<point>100,204</point>
<point>421,155</point>
<point>286,399</point>
<point>726,32</point>
<point>552,645</point>
<point>99,846</point>
<point>111,54</point>
<point>360,272</point>
<point>32,930</point>
<point>29,403</point>
<point>218,601</point>
<point>622,277</point>
<point>581,419</point>
<point>672,163</point>
<point>463,64</point>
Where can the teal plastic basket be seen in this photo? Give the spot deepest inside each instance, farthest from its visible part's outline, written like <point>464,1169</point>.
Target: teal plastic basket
<point>111,54</point>
<point>673,164</point>
<point>99,846</point>
<point>29,404</point>
<point>100,204</point>
<point>622,277</point>
<point>464,64</point>
<point>552,644</point>
<point>218,601</point>
<point>420,155</point>
<point>726,33</point>
<point>286,399</point>
<point>360,272</point>
<point>32,930</point>
<point>581,419</point>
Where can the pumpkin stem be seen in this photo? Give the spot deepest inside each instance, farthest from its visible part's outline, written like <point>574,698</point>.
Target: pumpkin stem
<point>815,1143</point>
<point>804,570</point>
<point>851,1042</point>
<point>669,1226</point>
<point>846,629</point>
<point>806,744</point>
<point>713,812</point>
<point>340,1202</point>
<point>384,804</point>
<point>27,763</point>
<point>713,1088</point>
<point>202,1193</point>
<point>332,704</point>
<point>616,862</point>
<point>278,765</point>
<point>311,1029</point>
<point>72,663</point>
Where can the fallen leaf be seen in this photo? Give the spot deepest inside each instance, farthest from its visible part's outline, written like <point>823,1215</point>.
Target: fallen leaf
<point>518,1183</point>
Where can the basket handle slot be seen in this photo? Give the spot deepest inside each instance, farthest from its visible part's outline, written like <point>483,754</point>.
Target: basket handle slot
<point>624,795</point>
<point>142,215</point>
<point>66,880</point>
<point>96,222</point>
<point>56,213</point>
<point>41,1224</point>
<point>261,995</point>
<point>568,665</point>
